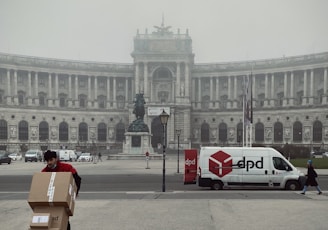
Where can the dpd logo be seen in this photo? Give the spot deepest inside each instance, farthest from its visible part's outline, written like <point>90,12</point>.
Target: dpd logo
<point>220,163</point>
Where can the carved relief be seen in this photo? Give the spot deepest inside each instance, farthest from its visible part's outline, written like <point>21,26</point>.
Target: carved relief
<point>268,132</point>
<point>53,132</point>
<point>13,131</point>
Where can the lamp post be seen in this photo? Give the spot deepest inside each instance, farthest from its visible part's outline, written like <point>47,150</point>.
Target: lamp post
<point>164,117</point>
<point>178,132</point>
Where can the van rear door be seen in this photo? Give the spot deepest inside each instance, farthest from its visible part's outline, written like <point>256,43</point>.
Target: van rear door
<point>190,174</point>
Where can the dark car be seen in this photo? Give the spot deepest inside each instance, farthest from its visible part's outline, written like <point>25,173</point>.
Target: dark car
<point>4,157</point>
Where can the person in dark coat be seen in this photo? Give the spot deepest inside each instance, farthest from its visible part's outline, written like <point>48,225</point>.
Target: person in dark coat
<point>311,178</point>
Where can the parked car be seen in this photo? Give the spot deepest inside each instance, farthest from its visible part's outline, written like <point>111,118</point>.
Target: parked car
<point>33,155</point>
<point>15,156</point>
<point>4,157</point>
<point>85,157</point>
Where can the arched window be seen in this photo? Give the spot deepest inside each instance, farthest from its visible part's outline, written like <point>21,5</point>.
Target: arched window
<point>278,133</point>
<point>43,131</point>
<point>63,131</point>
<point>259,132</point>
<point>297,132</point>
<point>23,131</point>
<point>205,133</point>
<point>120,130</point>
<point>240,133</point>
<point>102,132</point>
<point>223,132</point>
<point>3,130</point>
<point>317,131</point>
<point>83,132</point>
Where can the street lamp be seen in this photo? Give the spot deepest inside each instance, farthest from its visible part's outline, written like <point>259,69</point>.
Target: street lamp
<point>164,117</point>
<point>178,132</point>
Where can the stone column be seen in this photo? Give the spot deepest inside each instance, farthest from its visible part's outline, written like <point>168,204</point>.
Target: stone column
<point>266,91</point>
<point>177,93</point>
<point>89,93</point>
<point>311,88</point>
<point>152,98</point>
<point>187,76</point>
<point>69,91</point>
<point>211,93</point>
<point>8,96</point>
<point>95,101</point>
<point>194,96</point>
<point>285,99</point>
<point>324,99</point>
<point>146,94</point>
<point>29,89</point>
<point>36,88</point>
<point>137,81</point>
<point>291,97</point>
<point>56,91</point>
<point>108,92</point>
<point>235,90</point>
<point>217,97</point>
<point>49,96</point>
<point>127,92</point>
<point>15,88</point>
<point>77,104</point>
<point>272,99</point>
<point>199,93</point>
<point>114,93</point>
<point>229,87</point>
<point>304,101</point>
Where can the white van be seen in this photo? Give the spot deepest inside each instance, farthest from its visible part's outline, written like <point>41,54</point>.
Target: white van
<point>247,166</point>
<point>63,155</point>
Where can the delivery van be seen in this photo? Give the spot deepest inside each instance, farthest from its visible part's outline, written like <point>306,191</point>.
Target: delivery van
<point>221,167</point>
<point>64,155</point>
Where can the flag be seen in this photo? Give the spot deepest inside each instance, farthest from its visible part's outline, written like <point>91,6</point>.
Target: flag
<point>248,100</point>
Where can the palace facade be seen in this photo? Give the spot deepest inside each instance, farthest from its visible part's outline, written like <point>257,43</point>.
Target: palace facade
<point>48,103</point>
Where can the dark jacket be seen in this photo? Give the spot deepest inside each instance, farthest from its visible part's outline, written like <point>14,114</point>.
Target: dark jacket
<point>311,175</point>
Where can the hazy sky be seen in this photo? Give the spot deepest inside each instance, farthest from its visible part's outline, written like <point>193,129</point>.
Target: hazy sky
<point>222,30</point>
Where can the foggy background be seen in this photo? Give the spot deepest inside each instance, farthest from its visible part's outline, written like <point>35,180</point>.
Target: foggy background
<point>103,30</point>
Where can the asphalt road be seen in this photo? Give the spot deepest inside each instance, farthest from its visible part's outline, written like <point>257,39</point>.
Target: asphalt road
<point>142,186</point>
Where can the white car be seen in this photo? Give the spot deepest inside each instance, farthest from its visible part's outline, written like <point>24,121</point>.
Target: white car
<point>15,156</point>
<point>85,157</point>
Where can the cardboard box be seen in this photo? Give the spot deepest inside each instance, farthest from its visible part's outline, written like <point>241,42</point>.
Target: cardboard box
<point>58,217</point>
<point>53,189</point>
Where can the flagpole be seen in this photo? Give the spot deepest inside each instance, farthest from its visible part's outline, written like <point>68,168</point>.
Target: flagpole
<point>244,98</point>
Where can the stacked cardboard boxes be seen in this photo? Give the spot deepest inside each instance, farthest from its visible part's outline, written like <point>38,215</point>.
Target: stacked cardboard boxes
<point>52,199</point>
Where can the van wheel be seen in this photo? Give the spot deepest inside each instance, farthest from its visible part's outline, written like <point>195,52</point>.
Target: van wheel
<point>216,185</point>
<point>292,185</point>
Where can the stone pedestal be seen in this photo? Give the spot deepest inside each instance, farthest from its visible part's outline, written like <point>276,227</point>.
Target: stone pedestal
<point>137,143</point>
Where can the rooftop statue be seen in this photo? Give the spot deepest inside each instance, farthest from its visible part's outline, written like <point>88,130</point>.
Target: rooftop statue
<point>138,125</point>
<point>162,30</point>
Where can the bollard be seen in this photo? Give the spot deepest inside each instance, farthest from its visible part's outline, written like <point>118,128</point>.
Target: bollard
<point>147,160</point>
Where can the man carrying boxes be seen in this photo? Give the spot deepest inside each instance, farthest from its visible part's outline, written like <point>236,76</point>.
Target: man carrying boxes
<point>52,194</point>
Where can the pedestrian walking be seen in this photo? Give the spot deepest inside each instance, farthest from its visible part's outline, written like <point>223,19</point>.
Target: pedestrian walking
<point>311,178</point>
<point>54,165</point>
<point>99,157</point>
